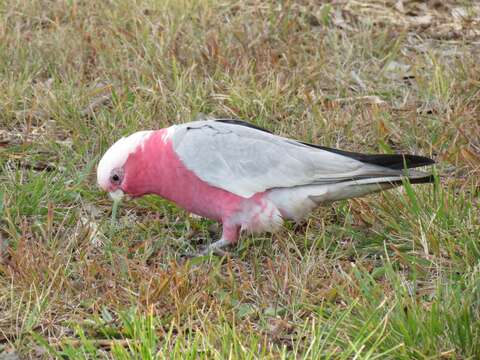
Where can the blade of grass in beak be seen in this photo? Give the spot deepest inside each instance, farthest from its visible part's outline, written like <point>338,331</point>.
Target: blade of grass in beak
<point>113,220</point>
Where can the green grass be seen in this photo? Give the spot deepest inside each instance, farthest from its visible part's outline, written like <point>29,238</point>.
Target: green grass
<point>393,275</point>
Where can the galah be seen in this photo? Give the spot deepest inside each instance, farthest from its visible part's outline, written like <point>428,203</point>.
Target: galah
<point>244,176</point>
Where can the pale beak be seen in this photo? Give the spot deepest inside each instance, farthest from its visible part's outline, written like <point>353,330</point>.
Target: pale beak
<point>116,196</point>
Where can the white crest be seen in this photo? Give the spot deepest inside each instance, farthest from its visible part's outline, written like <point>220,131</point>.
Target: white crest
<point>117,155</point>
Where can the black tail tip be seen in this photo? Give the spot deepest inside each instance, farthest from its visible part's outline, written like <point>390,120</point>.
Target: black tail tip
<point>417,160</point>
<point>423,180</point>
<point>392,161</point>
<point>427,179</point>
<point>397,161</point>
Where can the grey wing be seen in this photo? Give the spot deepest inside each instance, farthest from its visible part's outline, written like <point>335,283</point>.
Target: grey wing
<point>245,160</point>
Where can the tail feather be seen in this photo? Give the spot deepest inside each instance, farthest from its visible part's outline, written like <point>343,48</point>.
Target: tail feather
<point>391,161</point>
<point>426,179</point>
<point>396,161</point>
<point>358,188</point>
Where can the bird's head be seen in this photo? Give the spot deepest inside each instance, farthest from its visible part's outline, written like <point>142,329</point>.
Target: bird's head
<point>111,170</point>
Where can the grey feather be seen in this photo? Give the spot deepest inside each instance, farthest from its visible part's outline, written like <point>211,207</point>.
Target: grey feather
<point>245,160</point>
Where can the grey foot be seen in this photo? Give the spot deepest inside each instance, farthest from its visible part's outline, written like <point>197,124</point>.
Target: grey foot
<point>215,248</point>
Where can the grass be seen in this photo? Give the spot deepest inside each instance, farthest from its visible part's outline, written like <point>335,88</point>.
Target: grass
<point>393,275</point>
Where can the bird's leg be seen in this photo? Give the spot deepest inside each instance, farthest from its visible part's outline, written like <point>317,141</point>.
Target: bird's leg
<point>230,235</point>
<point>216,248</point>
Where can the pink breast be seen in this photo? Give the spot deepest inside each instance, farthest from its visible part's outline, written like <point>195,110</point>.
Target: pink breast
<point>156,169</point>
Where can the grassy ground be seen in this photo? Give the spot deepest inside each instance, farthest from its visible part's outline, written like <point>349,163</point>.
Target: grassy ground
<point>394,275</point>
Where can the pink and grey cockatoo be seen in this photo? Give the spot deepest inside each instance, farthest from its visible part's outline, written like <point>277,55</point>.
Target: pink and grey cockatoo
<point>243,176</point>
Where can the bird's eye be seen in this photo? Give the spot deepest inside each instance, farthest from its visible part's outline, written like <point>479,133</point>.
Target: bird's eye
<point>116,176</point>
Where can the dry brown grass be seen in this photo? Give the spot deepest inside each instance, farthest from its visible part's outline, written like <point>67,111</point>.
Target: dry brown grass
<point>388,276</point>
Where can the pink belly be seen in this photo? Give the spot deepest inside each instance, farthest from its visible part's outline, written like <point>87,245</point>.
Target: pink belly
<point>198,197</point>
